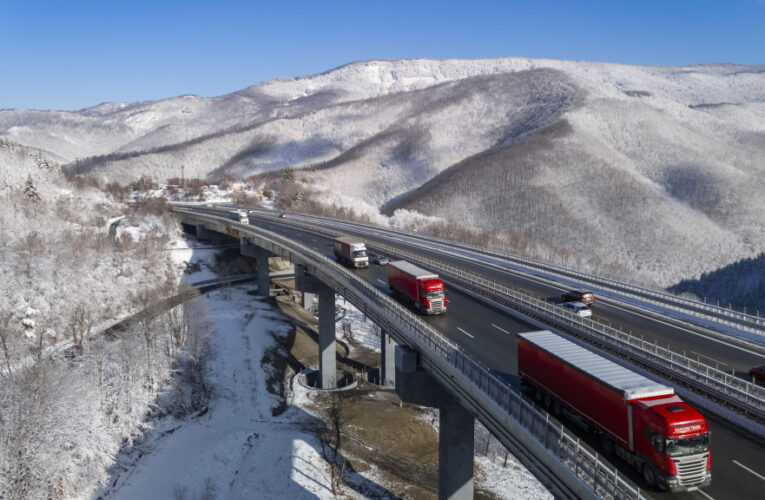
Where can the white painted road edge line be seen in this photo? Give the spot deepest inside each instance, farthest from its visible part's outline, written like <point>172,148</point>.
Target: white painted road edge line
<point>708,496</point>
<point>748,469</point>
<point>500,329</point>
<point>466,333</point>
<point>381,281</point>
<point>710,357</point>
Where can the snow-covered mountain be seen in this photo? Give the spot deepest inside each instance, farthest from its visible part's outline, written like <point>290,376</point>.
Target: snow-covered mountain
<point>655,173</point>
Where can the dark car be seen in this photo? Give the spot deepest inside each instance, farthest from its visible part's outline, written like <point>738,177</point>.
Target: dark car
<point>282,216</point>
<point>579,296</point>
<point>757,373</point>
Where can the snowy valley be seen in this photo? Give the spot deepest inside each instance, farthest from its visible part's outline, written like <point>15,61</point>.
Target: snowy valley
<point>652,175</point>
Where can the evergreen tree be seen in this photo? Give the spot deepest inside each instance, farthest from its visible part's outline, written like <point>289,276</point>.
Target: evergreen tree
<point>30,191</point>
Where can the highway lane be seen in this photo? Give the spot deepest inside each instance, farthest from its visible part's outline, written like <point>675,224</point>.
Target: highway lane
<point>489,336</point>
<point>682,338</point>
<point>468,322</point>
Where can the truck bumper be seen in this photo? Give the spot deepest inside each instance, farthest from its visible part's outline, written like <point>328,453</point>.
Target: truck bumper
<point>674,485</point>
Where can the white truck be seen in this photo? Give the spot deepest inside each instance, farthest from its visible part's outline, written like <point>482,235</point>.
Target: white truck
<point>351,251</point>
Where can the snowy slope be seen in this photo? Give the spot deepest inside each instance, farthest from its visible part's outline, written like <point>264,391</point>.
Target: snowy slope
<point>647,162</point>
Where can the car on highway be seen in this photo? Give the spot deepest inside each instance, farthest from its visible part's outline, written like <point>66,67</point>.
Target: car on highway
<point>582,296</point>
<point>282,216</point>
<point>381,260</point>
<point>578,308</point>
<point>757,373</point>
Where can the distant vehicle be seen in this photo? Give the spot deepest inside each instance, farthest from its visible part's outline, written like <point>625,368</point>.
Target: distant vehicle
<point>578,308</point>
<point>381,260</point>
<point>640,420</point>
<point>243,217</point>
<point>579,296</point>
<point>282,216</point>
<point>757,373</point>
<point>351,250</point>
<point>418,287</point>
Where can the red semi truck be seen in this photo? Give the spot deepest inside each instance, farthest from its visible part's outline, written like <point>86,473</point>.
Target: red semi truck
<point>421,288</point>
<point>644,422</point>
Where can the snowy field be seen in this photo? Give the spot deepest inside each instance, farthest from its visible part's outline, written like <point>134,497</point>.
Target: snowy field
<point>238,448</point>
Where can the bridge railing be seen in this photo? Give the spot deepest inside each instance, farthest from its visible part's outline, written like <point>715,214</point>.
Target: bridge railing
<point>740,394</point>
<point>719,385</point>
<point>586,474</point>
<point>701,309</point>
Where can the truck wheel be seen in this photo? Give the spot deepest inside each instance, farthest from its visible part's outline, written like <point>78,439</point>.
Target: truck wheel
<point>548,401</point>
<point>556,409</point>
<point>649,475</point>
<point>606,445</point>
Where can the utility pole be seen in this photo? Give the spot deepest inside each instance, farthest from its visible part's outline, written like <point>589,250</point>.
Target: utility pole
<point>183,180</point>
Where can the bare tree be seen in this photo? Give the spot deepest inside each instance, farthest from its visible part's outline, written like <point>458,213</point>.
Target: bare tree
<point>336,415</point>
<point>80,325</point>
<point>5,331</point>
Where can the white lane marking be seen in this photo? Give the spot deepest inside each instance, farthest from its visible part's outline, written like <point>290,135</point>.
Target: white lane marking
<point>748,469</point>
<point>500,329</point>
<point>627,310</point>
<point>709,497</point>
<point>710,357</point>
<point>466,333</point>
<point>381,281</point>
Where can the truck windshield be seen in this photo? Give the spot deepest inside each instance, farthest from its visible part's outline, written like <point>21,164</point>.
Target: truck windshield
<point>359,253</point>
<point>439,294</point>
<point>687,446</point>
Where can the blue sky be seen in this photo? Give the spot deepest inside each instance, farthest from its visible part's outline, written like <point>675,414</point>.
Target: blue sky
<point>74,54</point>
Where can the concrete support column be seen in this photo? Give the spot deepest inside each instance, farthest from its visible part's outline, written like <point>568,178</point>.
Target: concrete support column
<point>387,360</point>
<point>262,271</point>
<point>309,285</point>
<point>205,234</point>
<point>261,256</point>
<point>456,448</point>
<point>309,302</point>
<point>247,249</point>
<point>456,439</point>
<point>327,342</point>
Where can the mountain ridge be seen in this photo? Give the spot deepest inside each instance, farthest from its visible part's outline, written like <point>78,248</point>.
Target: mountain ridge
<point>680,145</point>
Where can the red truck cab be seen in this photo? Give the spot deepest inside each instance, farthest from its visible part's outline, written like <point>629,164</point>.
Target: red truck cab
<point>676,439</point>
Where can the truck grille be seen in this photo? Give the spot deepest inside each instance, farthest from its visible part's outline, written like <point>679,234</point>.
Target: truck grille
<point>691,470</point>
<point>437,306</point>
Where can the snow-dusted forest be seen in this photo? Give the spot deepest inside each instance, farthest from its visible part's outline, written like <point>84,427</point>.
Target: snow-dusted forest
<point>649,174</point>
<point>73,263</point>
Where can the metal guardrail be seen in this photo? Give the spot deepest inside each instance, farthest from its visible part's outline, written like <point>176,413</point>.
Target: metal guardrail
<point>570,469</point>
<point>744,396</point>
<point>749,322</point>
<point>741,394</point>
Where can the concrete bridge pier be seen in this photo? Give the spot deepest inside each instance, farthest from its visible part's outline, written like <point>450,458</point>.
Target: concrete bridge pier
<point>327,343</point>
<point>261,256</point>
<point>456,441</point>
<point>309,302</point>
<point>205,234</point>
<point>387,360</point>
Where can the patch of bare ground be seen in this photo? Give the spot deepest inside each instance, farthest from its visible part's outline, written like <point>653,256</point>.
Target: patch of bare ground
<point>395,439</point>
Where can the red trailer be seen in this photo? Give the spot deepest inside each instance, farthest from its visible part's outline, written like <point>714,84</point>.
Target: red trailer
<point>641,420</point>
<point>421,288</point>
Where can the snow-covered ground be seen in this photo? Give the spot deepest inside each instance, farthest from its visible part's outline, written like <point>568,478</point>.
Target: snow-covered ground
<point>238,448</point>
